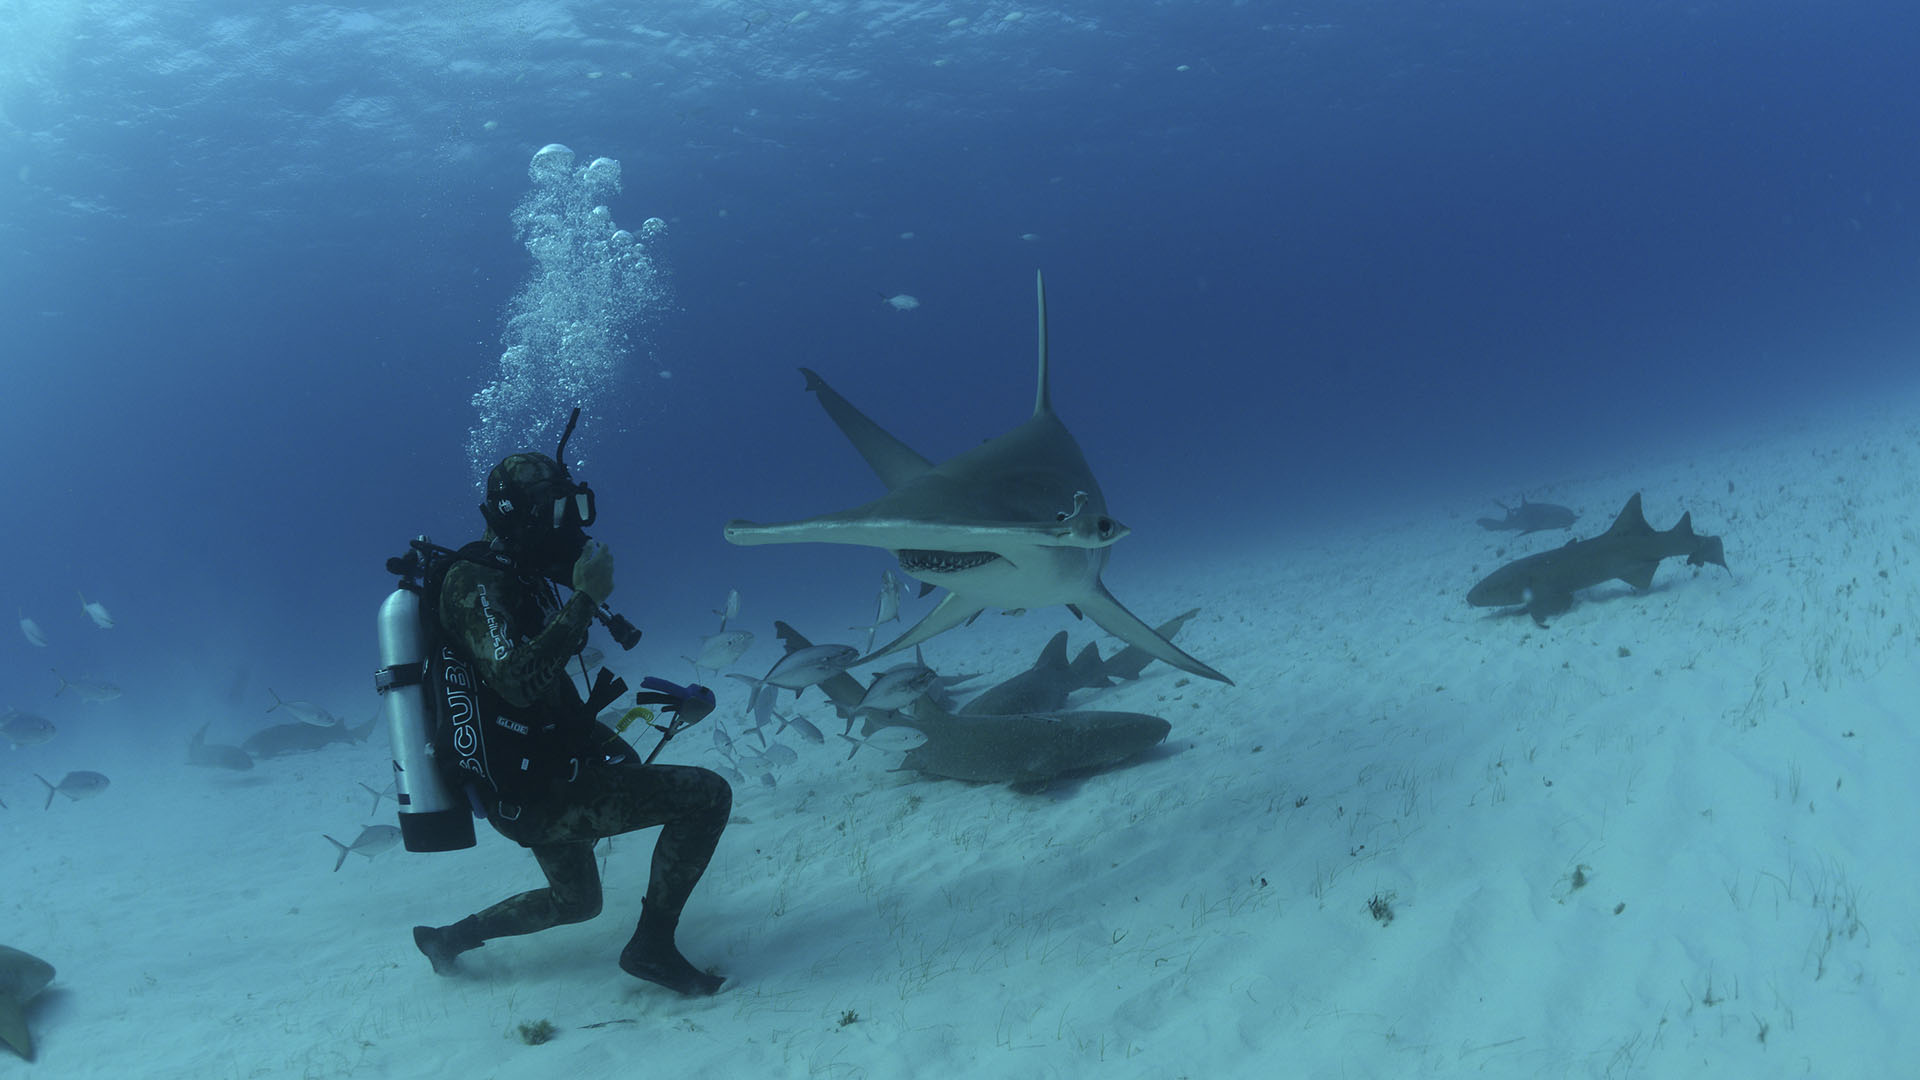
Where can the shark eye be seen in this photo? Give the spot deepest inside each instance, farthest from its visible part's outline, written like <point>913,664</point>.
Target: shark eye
<point>1106,526</point>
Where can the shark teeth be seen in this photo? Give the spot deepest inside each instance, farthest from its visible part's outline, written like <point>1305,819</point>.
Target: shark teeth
<point>922,561</point>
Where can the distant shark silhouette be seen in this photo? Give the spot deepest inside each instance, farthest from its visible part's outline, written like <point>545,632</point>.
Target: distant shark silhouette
<point>1529,517</point>
<point>1016,522</point>
<point>1630,551</point>
<point>1025,748</point>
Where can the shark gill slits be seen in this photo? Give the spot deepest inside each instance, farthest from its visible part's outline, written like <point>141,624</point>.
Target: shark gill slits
<point>916,560</point>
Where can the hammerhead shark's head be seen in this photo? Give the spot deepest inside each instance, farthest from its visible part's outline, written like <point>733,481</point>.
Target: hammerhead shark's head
<point>1630,551</point>
<point>1016,522</point>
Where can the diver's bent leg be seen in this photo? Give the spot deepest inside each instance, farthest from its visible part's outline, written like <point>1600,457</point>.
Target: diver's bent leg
<point>700,802</point>
<point>572,895</point>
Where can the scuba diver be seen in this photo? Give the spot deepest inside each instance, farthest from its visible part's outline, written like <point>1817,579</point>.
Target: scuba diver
<point>545,772</point>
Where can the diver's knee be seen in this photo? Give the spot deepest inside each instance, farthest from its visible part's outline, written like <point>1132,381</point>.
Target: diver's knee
<point>720,794</point>
<point>573,909</point>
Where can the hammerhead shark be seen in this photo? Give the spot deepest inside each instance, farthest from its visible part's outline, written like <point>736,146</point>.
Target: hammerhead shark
<point>1015,522</point>
<point>1631,551</point>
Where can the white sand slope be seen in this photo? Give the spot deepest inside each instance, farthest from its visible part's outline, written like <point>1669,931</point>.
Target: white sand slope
<point>1670,835</point>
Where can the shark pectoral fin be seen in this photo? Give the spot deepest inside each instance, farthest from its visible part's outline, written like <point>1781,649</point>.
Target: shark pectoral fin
<point>1115,619</point>
<point>946,615</point>
<point>1640,575</point>
<point>1541,604</point>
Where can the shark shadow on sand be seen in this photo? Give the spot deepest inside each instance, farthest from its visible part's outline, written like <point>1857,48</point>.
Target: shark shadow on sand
<point>1016,522</point>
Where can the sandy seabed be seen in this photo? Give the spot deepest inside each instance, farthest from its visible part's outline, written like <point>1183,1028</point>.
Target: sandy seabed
<point>1670,835</point>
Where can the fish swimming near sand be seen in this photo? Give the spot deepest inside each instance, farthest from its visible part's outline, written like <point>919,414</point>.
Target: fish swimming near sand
<point>1016,748</point>
<point>22,977</point>
<point>35,635</point>
<point>77,785</point>
<point>1629,551</point>
<point>379,793</point>
<point>718,652</point>
<point>89,690</point>
<point>299,738</point>
<point>96,612</point>
<point>1016,522</point>
<point>304,711</point>
<point>886,607</point>
<point>216,755</point>
<point>731,611</point>
<point>25,728</point>
<point>1529,517</point>
<point>372,840</point>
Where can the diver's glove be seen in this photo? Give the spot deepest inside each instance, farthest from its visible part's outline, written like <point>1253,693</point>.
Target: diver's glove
<point>689,704</point>
<point>593,572</point>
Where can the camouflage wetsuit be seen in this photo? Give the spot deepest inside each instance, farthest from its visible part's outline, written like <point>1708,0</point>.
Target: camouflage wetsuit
<point>521,640</point>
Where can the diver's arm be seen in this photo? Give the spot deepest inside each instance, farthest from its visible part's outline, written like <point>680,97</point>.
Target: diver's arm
<point>474,610</point>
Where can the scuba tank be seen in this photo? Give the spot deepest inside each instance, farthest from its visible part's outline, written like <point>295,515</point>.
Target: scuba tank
<point>434,815</point>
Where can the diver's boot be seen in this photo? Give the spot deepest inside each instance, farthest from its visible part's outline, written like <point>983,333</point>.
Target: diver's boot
<point>442,944</point>
<point>651,955</point>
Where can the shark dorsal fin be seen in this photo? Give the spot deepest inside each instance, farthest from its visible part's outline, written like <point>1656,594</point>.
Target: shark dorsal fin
<point>1042,398</point>
<point>1631,522</point>
<point>1054,656</point>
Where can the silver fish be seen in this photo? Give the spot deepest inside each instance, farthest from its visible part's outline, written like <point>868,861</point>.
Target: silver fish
<point>719,651</point>
<point>802,668</point>
<point>372,840</point>
<point>898,739</point>
<point>304,711</point>
<point>886,608</point>
<point>378,794</point>
<point>96,612</point>
<point>896,688</point>
<point>780,755</point>
<point>92,690</point>
<point>25,728</point>
<point>804,726</point>
<point>35,635</point>
<point>77,785</point>
<point>732,610</point>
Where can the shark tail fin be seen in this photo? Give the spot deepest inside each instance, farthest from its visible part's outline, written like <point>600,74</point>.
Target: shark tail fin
<point>1708,549</point>
<point>893,461</point>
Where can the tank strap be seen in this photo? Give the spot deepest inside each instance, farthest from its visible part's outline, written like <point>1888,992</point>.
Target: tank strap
<point>392,678</point>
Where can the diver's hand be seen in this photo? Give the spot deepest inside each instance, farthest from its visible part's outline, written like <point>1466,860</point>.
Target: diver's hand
<point>593,572</point>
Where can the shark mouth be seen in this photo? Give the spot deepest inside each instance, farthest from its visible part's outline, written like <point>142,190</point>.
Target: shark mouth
<point>921,561</point>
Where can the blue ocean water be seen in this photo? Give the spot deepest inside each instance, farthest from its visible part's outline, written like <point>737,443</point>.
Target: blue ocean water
<point>1302,258</point>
